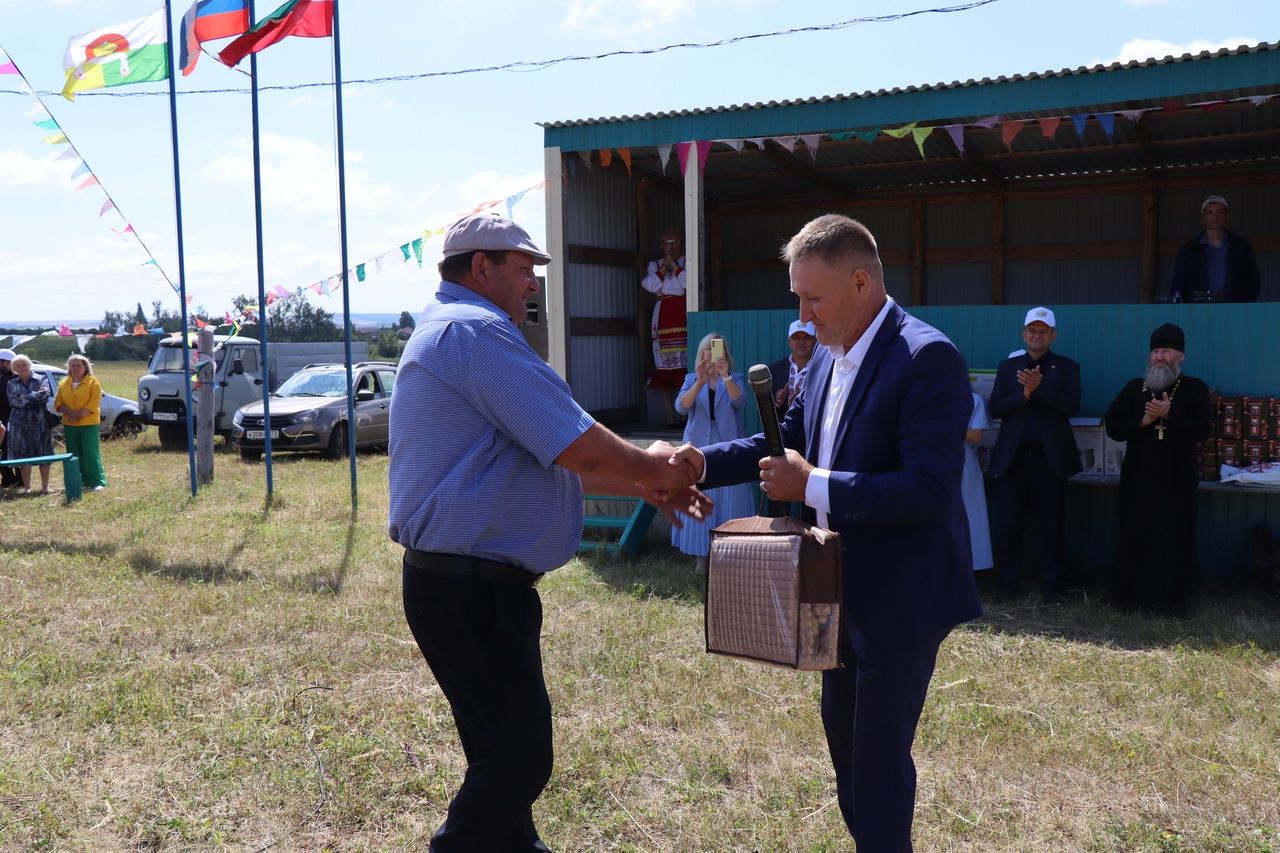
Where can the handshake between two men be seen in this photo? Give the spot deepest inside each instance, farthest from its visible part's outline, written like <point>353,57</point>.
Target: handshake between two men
<point>782,478</point>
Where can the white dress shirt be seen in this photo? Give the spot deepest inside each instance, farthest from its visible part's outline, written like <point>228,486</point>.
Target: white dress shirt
<point>817,493</point>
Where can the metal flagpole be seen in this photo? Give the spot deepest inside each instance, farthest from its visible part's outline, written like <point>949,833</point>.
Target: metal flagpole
<point>342,239</point>
<point>182,270</point>
<point>263,324</point>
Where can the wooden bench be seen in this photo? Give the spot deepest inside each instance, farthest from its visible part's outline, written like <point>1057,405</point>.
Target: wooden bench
<point>71,485</point>
<point>633,526</point>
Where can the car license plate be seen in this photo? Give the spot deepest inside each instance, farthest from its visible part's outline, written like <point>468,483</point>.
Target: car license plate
<point>256,434</point>
<point>165,416</point>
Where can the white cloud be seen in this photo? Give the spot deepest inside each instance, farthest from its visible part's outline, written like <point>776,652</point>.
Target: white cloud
<point>1140,49</point>
<point>299,175</point>
<point>22,170</point>
<point>1146,2</point>
<point>618,17</point>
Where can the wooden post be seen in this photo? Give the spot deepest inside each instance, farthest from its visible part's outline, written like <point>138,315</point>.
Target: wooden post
<point>557,296</point>
<point>917,251</point>
<point>1150,245</point>
<point>204,408</point>
<point>997,249</point>
<point>694,247</point>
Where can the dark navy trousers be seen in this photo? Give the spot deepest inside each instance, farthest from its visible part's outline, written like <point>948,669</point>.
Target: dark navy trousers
<point>1030,481</point>
<point>480,638</point>
<point>870,709</point>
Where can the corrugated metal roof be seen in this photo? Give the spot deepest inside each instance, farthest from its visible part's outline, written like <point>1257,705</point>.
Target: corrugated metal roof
<point>936,87</point>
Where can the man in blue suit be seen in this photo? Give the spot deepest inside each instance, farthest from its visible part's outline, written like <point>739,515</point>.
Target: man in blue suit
<point>1035,396</point>
<point>875,450</point>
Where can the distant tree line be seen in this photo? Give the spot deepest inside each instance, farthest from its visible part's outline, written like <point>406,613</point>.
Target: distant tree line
<point>288,321</point>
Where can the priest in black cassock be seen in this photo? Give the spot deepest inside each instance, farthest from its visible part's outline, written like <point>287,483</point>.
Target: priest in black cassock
<point>1164,416</point>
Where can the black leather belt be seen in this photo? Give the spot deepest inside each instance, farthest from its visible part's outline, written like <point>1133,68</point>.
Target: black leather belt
<point>461,564</point>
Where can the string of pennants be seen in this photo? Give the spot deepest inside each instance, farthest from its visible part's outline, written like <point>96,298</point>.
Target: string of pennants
<point>81,175</point>
<point>697,150</point>
<point>372,266</point>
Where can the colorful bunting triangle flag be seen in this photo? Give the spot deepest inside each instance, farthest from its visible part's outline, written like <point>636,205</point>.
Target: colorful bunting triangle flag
<point>988,122</point>
<point>1049,126</point>
<point>663,155</point>
<point>512,201</point>
<point>67,155</point>
<point>623,153</point>
<point>1108,122</point>
<point>1132,115</point>
<point>83,168</point>
<point>841,135</point>
<point>606,157</point>
<point>956,132</point>
<point>106,205</point>
<point>46,124</point>
<point>899,132</point>
<point>58,138</point>
<point>920,134</point>
<point>735,144</point>
<point>757,141</point>
<point>868,135</point>
<point>1079,120</point>
<point>360,272</point>
<point>787,142</point>
<point>405,251</point>
<point>90,181</point>
<point>810,141</point>
<point>682,155</point>
<point>1009,131</point>
<point>704,148</point>
<point>585,157</point>
<point>417,250</point>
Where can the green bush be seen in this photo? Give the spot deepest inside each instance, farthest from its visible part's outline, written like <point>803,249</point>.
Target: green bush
<point>126,348</point>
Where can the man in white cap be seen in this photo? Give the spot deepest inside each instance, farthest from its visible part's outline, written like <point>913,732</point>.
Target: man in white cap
<point>1035,395</point>
<point>489,456</point>
<point>788,373</point>
<point>8,476</point>
<point>1216,261</point>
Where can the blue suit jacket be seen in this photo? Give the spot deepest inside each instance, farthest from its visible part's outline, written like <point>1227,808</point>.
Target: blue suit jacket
<point>1052,405</point>
<point>895,481</point>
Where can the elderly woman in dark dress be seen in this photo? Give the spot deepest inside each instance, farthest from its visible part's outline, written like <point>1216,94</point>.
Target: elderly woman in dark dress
<point>29,433</point>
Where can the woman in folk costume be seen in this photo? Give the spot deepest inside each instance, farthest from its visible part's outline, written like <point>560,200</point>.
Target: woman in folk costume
<point>713,396</point>
<point>666,280</point>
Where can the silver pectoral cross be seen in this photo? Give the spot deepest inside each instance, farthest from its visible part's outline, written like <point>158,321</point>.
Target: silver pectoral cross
<point>1160,432</point>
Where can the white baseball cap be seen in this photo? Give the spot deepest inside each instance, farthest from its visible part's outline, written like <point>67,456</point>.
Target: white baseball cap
<point>488,232</point>
<point>798,326</point>
<point>1041,315</point>
<point>1214,199</point>
<point>7,355</point>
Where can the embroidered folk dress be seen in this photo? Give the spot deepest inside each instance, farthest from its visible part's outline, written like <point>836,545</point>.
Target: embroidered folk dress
<point>29,433</point>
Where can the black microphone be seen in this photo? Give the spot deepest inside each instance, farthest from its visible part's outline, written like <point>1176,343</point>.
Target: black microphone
<point>761,382</point>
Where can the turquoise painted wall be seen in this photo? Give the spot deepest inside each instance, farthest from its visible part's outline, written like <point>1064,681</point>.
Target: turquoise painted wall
<point>1232,347</point>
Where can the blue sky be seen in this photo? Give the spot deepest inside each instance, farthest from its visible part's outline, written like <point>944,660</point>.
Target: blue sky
<point>419,152</point>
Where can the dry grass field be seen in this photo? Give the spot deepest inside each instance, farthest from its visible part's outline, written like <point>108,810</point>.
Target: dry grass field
<point>225,673</point>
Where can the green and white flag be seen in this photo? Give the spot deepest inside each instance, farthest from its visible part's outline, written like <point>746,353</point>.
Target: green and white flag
<point>132,52</point>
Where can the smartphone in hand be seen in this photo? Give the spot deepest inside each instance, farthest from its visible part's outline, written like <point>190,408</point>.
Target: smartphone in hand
<point>717,349</point>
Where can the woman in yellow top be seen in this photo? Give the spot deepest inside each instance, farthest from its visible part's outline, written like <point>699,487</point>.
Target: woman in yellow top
<point>79,401</point>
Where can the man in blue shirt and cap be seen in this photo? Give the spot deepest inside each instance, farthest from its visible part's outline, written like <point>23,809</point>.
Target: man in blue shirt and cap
<point>1216,261</point>
<point>489,455</point>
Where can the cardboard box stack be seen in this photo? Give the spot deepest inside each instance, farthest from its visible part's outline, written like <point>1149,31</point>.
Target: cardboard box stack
<point>1090,441</point>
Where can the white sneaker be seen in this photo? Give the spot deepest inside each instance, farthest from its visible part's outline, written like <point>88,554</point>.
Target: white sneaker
<point>98,488</point>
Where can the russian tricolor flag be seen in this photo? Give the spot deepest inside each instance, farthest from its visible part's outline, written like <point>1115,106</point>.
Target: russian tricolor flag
<point>208,20</point>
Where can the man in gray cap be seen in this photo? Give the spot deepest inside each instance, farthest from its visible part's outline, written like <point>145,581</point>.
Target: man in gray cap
<point>9,477</point>
<point>1164,416</point>
<point>1216,261</point>
<point>489,458</point>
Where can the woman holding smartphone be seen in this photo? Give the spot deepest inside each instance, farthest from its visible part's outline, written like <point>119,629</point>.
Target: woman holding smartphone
<point>713,396</point>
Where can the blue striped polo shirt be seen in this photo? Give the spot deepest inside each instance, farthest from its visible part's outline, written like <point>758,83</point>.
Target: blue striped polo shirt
<point>477,422</point>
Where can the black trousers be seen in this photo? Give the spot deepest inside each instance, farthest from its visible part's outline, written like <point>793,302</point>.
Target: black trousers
<point>870,709</point>
<point>480,638</point>
<point>1030,481</point>
<point>8,476</point>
